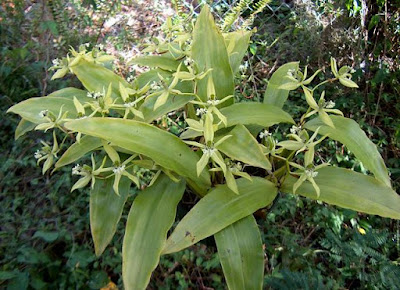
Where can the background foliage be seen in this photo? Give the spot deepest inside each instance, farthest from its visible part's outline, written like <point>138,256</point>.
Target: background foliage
<point>44,229</point>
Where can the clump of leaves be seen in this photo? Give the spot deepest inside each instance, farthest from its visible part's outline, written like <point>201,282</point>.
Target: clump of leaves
<point>218,157</point>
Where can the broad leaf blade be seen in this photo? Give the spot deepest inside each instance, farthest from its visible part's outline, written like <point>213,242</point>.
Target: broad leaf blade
<point>30,109</point>
<point>163,61</point>
<point>151,76</point>
<point>209,52</point>
<point>78,150</point>
<point>151,216</point>
<point>70,93</point>
<point>352,190</point>
<point>241,254</point>
<point>273,95</point>
<point>237,43</point>
<point>349,133</point>
<point>174,102</point>
<point>242,146</point>
<point>105,211</point>
<point>218,209</point>
<point>96,78</point>
<point>255,114</point>
<point>163,147</point>
<point>23,127</point>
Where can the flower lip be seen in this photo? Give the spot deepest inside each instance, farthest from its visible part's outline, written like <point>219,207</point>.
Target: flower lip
<point>56,62</point>
<point>76,170</point>
<point>119,169</point>
<point>330,105</point>
<point>201,111</point>
<point>265,134</point>
<point>310,173</point>
<point>43,113</point>
<point>38,154</point>
<point>209,150</point>
<point>213,102</point>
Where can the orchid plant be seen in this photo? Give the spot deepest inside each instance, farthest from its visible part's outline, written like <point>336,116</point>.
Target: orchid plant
<point>227,155</point>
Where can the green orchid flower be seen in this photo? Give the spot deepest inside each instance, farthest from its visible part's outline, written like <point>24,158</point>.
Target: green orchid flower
<point>302,143</point>
<point>307,173</point>
<point>322,108</point>
<point>295,79</point>
<point>168,89</point>
<point>119,169</point>
<point>47,153</point>
<point>131,98</point>
<point>343,74</point>
<point>89,174</point>
<point>52,121</point>
<point>209,152</point>
<point>103,102</point>
<point>233,169</point>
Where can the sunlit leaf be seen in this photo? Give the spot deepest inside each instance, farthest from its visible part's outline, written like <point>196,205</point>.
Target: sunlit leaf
<point>273,95</point>
<point>347,82</point>
<point>218,209</point>
<point>163,61</point>
<point>242,146</point>
<point>237,43</point>
<point>173,102</point>
<point>96,78</point>
<point>23,127</point>
<point>78,150</point>
<point>349,133</point>
<point>30,109</point>
<point>163,147</point>
<point>151,216</point>
<point>241,254</point>
<point>255,114</point>
<point>349,189</point>
<point>209,52</point>
<point>106,210</point>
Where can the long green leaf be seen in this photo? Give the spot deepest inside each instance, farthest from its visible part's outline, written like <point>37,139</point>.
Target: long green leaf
<point>151,215</point>
<point>163,147</point>
<point>96,78</point>
<point>349,133</point>
<point>163,61</point>
<point>237,43</point>
<point>255,114</point>
<point>242,146</point>
<point>273,95</point>
<point>78,150</point>
<point>352,190</point>
<point>23,127</point>
<point>106,210</point>
<point>209,52</point>
<point>218,209</point>
<point>174,102</point>
<point>70,93</point>
<point>152,76</point>
<point>30,109</point>
<point>241,254</point>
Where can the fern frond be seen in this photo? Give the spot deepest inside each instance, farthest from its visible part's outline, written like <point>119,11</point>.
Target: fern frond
<point>179,7</point>
<point>390,276</point>
<point>288,280</point>
<point>57,8</point>
<point>257,8</point>
<point>232,16</point>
